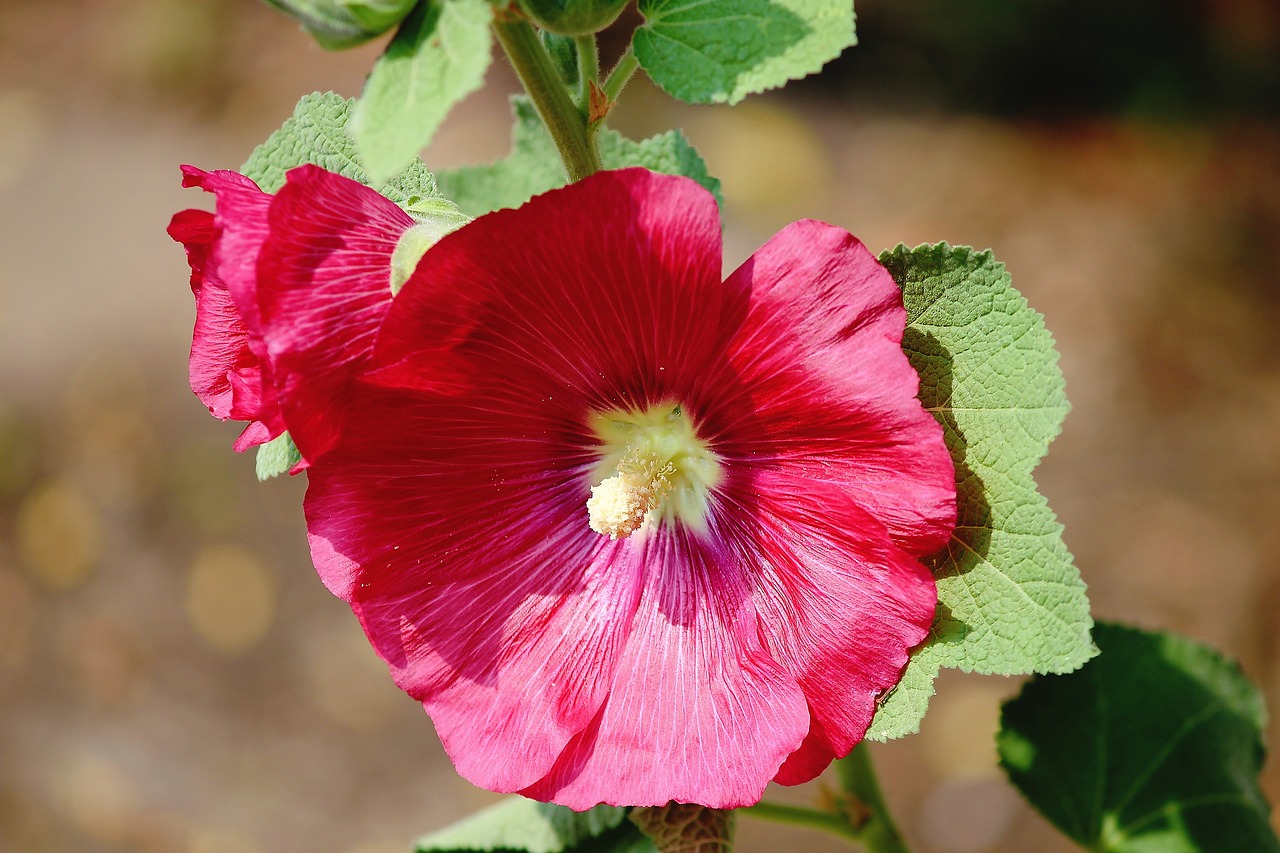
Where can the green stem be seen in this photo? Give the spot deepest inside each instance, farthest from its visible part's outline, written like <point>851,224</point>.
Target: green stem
<point>801,816</point>
<point>859,813</point>
<point>533,66</point>
<point>620,74</point>
<point>878,834</point>
<point>588,69</point>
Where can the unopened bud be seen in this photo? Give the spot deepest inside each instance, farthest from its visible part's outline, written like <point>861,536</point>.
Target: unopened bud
<point>338,24</point>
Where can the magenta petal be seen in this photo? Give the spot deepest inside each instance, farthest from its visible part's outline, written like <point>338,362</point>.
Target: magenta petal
<point>840,604</point>
<point>465,554</point>
<point>698,711</point>
<point>194,230</point>
<point>828,389</point>
<point>610,287</point>
<point>226,342</point>
<point>224,374</point>
<point>324,278</point>
<point>687,662</point>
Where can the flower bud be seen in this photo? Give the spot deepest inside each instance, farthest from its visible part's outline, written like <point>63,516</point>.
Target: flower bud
<point>435,218</point>
<point>338,24</point>
<point>573,17</point>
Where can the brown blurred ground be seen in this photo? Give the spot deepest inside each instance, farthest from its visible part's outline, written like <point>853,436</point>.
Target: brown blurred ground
<point>173,677</point>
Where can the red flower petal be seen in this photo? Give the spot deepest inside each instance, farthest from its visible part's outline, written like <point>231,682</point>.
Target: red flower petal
<point>698,710</point>
<point>323,285</point>
<point>839,604</point>
<point>504,641</point>
<point>612,290</point>
<point>227,373</point>
<point>825,387</point>
<point>671,665</point>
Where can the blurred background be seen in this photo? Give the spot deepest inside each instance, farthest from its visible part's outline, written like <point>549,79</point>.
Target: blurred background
<point>173,676</point>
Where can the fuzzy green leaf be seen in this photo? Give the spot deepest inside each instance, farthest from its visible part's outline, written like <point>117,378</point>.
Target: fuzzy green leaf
<point>533,165</point>
<point>525,825</point>
<point>1010,600</point>
<point>317,133</point>
<point>437,58</point>
<point>276,457</point>
<point>720,51</point>
<point>1154,746</point>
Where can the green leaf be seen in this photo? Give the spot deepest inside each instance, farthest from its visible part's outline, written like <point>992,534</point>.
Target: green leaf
<point>317,133</point>
<point>720,51</point>
<point>1010,601</point>
<point>520,824</point>
<point>669,153</point>
<point>276,457</point>
<point>533,166</point>
<point>438,57</point>
<point>1154,746</point>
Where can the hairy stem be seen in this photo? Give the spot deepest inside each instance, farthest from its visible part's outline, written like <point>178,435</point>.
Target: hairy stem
<point>588,69</point>
<point>568,126</point>
<point>620,74</point>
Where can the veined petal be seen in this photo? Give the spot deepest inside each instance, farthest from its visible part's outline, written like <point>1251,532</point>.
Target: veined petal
<point>227,299</point>
<point>194,230</point>
<point>612,289</point>
<point>704,654</point>
<point>840,604</point>
<point>698,710</point>
<point>821,386</point>
<point>323,285</point>
<point>465,553</point>
<point>218,343</point>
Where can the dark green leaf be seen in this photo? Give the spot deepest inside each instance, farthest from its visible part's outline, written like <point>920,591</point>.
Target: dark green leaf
<point>719,51</point>
<point>1154,746</point>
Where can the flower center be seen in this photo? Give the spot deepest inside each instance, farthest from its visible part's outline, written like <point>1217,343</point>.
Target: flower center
<point>653,468</point>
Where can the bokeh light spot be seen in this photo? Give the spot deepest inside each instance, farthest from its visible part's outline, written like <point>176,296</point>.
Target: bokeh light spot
<point>230,600</point>
<point>96,797</point>
<point>59,536</point>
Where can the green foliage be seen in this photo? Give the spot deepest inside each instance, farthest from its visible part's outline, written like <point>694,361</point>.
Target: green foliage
<point>317,133</point>
<point>533,166</point>
<point>276,457</point>
<point>438,57</point>
<point>720,51</point>
<point>1154,746</point>
<point>525,825</point>
<point>1010,601</point>
<point>336,24</point>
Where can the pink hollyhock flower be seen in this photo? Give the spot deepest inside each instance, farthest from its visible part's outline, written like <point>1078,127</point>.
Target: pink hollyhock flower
<point>629,532</point>
<point>299,279</point>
